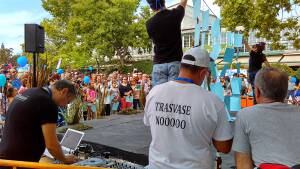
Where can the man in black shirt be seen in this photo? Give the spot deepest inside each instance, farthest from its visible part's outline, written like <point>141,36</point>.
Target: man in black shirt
<point>256,59</point>
<point>164,29</point>
<point>30,125</point>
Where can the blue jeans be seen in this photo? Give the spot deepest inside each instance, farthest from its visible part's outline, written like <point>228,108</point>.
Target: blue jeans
<point>251,79</point>
<point>165,72</point>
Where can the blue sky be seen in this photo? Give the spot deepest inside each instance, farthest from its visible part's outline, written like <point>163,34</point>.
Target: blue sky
<point>15,13</point>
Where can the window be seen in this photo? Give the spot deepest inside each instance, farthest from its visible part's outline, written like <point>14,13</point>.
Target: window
<point>208,40</point>
<point>188,40</point>
<point>223,38</point>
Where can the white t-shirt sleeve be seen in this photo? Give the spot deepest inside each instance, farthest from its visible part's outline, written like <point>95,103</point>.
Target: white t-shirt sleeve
<point>224,129</point>
<point>146,111</point>
<point>241,141</point>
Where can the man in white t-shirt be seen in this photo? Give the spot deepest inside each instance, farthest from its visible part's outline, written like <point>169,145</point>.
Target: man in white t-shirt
<point>185,120</point>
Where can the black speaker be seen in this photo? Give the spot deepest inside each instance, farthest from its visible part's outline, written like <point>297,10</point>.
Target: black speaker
<point>34,38</point>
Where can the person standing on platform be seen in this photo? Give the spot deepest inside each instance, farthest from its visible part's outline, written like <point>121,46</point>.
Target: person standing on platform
<point>164,29</point>
<point>185,119</point>
<point>256,59</point>
<point>30,126</point>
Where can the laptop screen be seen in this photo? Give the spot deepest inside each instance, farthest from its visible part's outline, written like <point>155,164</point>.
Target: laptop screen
<point>71,139</point>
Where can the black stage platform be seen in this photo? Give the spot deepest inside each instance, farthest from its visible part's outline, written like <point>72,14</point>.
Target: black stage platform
<point>126,137</point>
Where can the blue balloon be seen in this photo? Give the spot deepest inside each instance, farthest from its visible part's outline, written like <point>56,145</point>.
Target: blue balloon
<point>22,61</point>
<point>293,80</point>
<point>60,71</point>
<point>91,68</point>
<point>2,80</point>
<point>86,80</point>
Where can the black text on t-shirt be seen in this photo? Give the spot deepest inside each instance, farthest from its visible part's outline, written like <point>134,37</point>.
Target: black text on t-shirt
<point>172,108</point>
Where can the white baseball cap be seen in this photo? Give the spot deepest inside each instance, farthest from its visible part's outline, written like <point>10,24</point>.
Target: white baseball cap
<point>197,57</point>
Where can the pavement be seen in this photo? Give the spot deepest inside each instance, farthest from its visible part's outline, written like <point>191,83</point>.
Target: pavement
<point>128,138</point>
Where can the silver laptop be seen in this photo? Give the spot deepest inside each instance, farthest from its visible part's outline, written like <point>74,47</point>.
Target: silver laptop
<point>69,142</point>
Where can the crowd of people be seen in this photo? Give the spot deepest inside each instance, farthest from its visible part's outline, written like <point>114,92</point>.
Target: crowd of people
<point>293,95</point>
<point>116,91</point>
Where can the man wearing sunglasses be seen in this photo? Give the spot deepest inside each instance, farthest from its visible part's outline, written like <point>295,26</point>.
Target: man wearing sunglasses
<point>15,81</point>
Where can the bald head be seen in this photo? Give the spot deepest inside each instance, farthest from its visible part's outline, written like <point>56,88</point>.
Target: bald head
<point>272,84</point>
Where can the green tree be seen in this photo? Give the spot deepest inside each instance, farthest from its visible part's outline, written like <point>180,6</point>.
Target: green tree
<point>263,16</point>
<point>297,74</point>
<point>284,68</point>
<point>5,54</point>
<point>84,32</point>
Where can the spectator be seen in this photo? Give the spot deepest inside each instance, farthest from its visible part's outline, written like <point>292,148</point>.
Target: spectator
<point>296,95</point>
<point>16,83</point>
<point>136,88</point>
<point>24,86</point>
<point>291,86</point>
<point>115,96</point>
<point>55,77</point>
<point>91,99</point>
<point>84,108</point>
<point>106,90</point>
<point>125,91</point>
<point>140,76</point>
<point>269,131</point>
<point>11,93</point>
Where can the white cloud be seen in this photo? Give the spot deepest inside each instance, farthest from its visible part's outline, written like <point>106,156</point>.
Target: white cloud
<point>12,27</point>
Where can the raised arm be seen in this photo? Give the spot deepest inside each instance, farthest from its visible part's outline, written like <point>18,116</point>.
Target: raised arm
<point>247,45</point>
<point>183,3</point>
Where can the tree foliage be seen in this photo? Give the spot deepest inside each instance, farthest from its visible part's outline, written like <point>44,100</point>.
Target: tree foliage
<point>268,17</point>
<point>83,32</point>
<point>5,54</point>
<point>285,68</point>
<point>297,74</point>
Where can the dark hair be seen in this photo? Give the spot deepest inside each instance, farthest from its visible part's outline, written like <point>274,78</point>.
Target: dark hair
<point>260,46</point>
<point>156,4</point>
<point>10,92</point>
<point>62,84</point>
<point>226,78</point>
